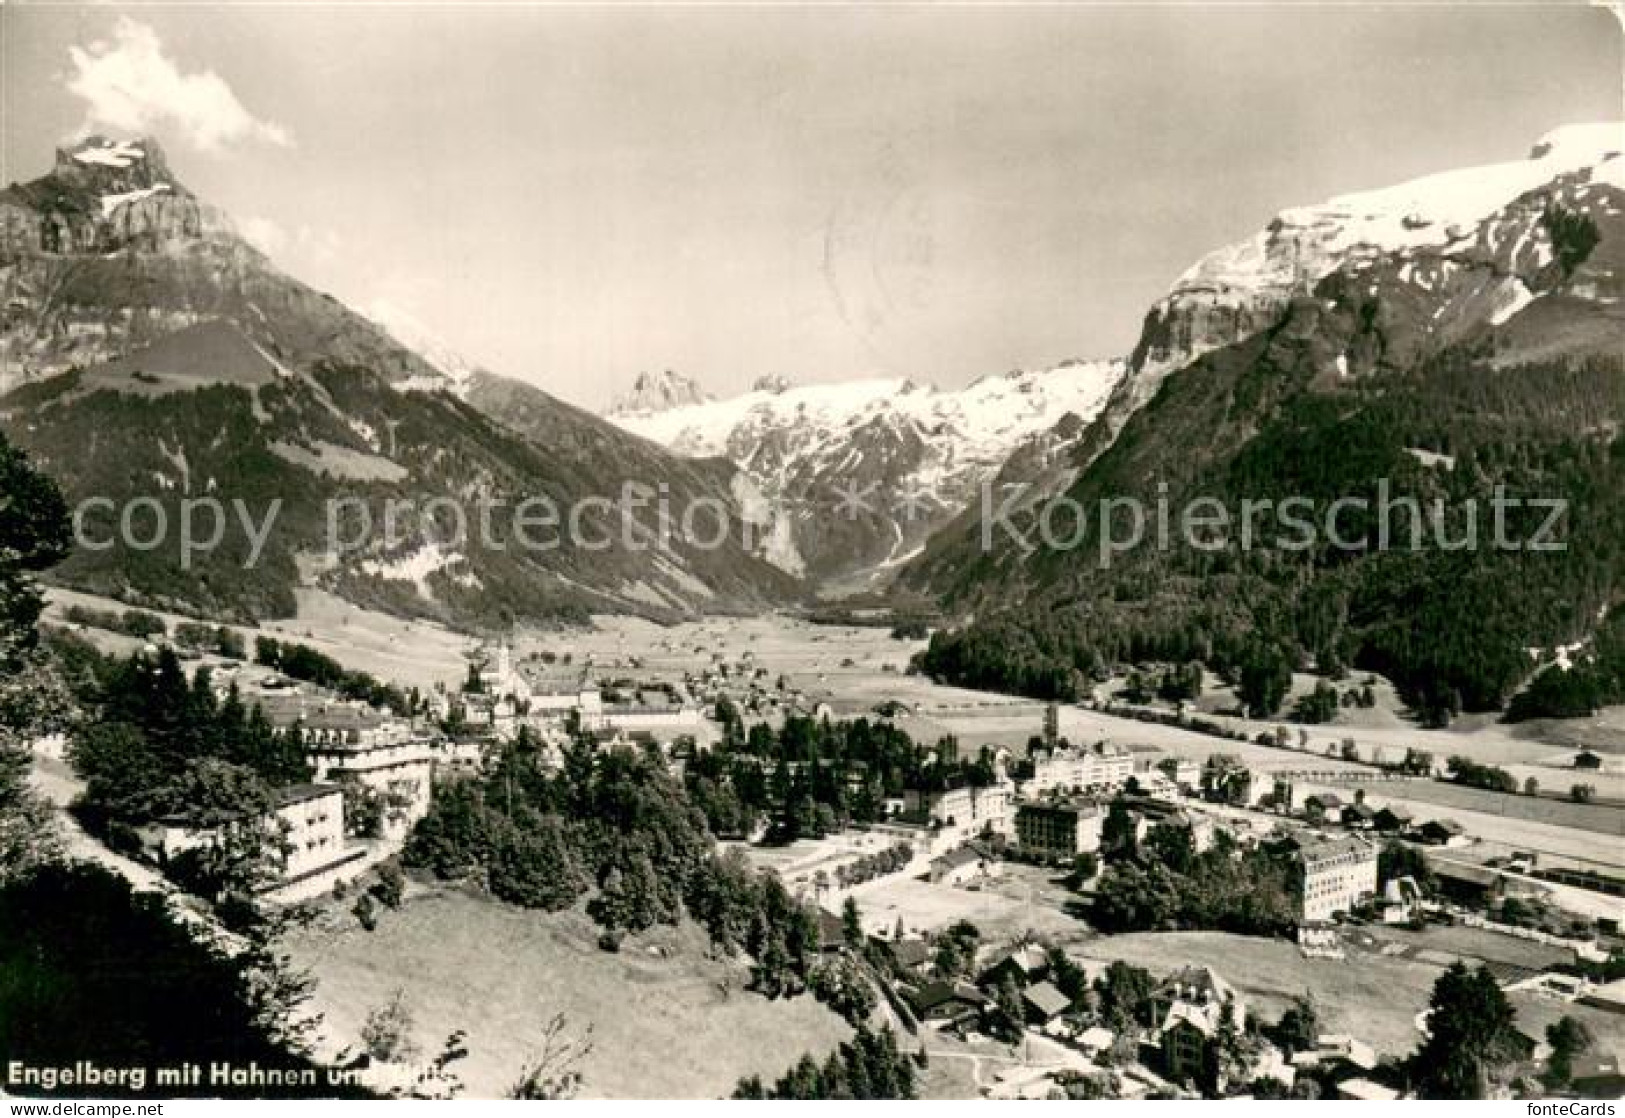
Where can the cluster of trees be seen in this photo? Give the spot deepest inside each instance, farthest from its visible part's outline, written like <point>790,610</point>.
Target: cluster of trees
<point>131,622</point>
<point>1319,706</point>
<point>1004,657</point>
<point>614,827</point>
<point>300,661</point>
<point>195,636</point>
<point>1471,1037</point>
<point>813,777</point>
<point>1263,678</point>
<point>1399,859</point>
<point>1581,689</point>
<point>1164,883</point>
<point>1179,683</point>
<point>1466,771</point>
<point>157,744</point>
<point>869,1066</point>
<point>870,866</point>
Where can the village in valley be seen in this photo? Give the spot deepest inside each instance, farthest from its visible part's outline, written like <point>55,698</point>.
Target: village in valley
<point>1109,898</point>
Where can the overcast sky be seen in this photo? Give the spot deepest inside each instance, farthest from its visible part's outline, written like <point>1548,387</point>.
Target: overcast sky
<point>571,195</point>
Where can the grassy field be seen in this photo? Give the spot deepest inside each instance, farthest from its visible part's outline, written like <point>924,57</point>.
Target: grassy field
<point>671,1025</point>
<point>410,653</point>
<point>1375,999</point>
<point>1021,900</point>
<point>1473,944</point>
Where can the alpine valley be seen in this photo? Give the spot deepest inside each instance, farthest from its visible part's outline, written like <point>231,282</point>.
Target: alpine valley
<point>853,477</point>
<point>1438,340</point>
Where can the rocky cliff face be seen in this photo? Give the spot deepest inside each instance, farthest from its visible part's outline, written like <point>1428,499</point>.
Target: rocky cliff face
<point>1441,223</point>
<point>110,252</point>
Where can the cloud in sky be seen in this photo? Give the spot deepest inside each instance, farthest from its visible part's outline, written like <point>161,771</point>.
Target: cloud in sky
<point>131,85</point>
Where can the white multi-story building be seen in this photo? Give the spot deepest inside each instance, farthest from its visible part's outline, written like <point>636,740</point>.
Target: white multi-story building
<point>1101,767</point>
<point>307,824</point>
<point>1335,875</point>
<point>387,754</point>
<point>966,811</point>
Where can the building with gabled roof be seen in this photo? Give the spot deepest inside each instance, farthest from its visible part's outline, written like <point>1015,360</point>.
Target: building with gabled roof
<point>1042,1002</point>
<point>947,1003</point>
<point>1190,1007</point>
<point>1025,964</point>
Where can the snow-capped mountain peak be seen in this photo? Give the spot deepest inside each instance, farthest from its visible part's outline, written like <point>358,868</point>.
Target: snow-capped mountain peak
<point>1240,288</point>
<point>914,443</point>
<point>653,393</point>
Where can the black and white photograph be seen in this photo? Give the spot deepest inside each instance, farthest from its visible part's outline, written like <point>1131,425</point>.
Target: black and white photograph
<point>708,551</point>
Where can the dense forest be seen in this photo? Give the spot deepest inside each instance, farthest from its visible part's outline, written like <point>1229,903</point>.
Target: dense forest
<point>1450,625</point>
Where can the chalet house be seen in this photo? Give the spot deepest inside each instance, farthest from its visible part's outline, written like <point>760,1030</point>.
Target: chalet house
<point>1440,832</point>
<point>912,955</point>
<point>1392,819</point>
<point>947,1003</point>
<point>1026,964</point>
<point>1588,761</point>
<point>831,932</point>
<point>1042,1003</point>
<point>1323,807</point>
<point>1359,817</point>
<point>1597,1075</point>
